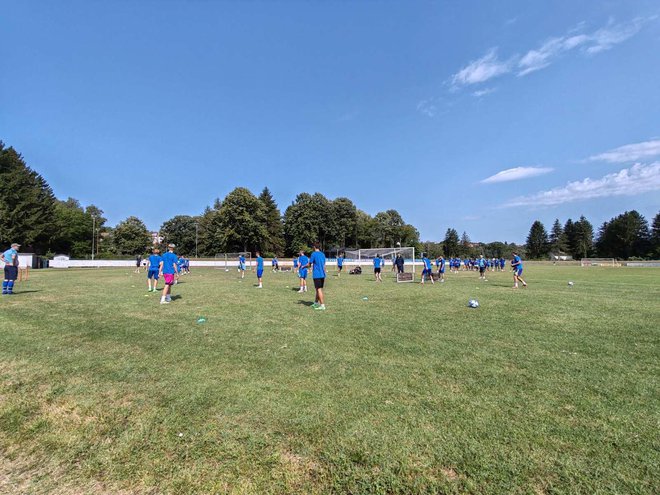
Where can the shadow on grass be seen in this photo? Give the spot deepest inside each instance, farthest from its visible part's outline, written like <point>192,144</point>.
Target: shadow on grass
<point>305,303</point>
<point>15,293</point>
<point>176,297</point>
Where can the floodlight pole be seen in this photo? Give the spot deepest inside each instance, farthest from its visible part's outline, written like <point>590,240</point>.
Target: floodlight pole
<point>93,233</point>
<point>196,234</point>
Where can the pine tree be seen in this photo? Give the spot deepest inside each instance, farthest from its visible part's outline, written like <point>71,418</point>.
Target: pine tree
<point>274,241</point>
<point>557,241</point>
<point>537,241</point>
<point>655,236</point>
<point>450,244</point>
<point>27,203</point>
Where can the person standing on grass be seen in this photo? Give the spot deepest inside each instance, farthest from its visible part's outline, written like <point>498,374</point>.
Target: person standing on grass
<point>340,264</point>
<point>153,268</point>
<point>10,258</point>
<point>260,269</point>
<point>427,271</point>
<point>241,265</point>
<point>295,264</point>
<point>377,266</point>
<point>317,262</point>
<point>399,263</point>
<point>302,271</point>
<point>168,268</point>
<point>482,268</point>
<point>517,265</point>
<point>275,264</point>
<point>441,269</point>
<point>138,262</point>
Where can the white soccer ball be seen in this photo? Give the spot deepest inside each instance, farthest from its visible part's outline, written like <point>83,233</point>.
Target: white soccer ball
<point>473,303</point>
<point>570,284</point>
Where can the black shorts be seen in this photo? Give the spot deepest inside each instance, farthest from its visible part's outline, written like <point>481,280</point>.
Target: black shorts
<point>319,283</point>
<point>11,272</point>
<point>482,269</point>
<point>376,270</point>
<point>340,267</point>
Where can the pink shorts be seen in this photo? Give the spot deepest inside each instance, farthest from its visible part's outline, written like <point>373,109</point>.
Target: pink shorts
<point>169,278</point>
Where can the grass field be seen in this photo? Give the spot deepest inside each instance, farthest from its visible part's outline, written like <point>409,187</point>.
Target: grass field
<point>546,390</point>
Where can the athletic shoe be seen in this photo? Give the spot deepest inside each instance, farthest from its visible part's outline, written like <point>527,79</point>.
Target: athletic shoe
<point>165,302</point>
<point>320,307</point>
<point>315,305</point>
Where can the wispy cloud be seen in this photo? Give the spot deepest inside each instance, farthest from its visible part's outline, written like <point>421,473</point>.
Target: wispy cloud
<point>490,66</point>
<point>483,92</point>
<point>630,152</point>
<point>481,70</point>
<point>516,173</point>
<point>427,107</point>
<point>637,179</point>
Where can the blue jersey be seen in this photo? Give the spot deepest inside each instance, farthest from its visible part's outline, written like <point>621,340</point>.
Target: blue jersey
<point>427,263</point>
<point>154,261</point>
<point>260,263</point>
<point>8,256</point>
<point>340,261</point>
<point>318,264</point>
<point>169,261</point>
<point>517,262</point>
<point>304,261</point>
<point>377,262</point>
<point>442,265</point>
<point>295,262</point>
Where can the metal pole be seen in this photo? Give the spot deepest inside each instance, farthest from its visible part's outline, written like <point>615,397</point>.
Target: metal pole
<point>93,234</point>
<point>196,234</point>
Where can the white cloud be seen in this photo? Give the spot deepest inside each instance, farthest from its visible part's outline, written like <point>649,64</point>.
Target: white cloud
<point>483,92</point>
<point>482,69</point>
<point>427,107</point>
<point>637,179</point>
<point>630,152</point>
<point>490,66</point>
<point>516,173</point>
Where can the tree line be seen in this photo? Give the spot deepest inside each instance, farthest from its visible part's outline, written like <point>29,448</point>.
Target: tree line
<point>31,215</point>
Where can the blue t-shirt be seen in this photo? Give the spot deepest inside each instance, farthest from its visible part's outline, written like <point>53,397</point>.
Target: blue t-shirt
<point>442,264</point>
<point>154,261</point>
<point>260,263</point>
<point>318,264</point>
<point>7,256</point>
<point>377,262</point>
<point>295,262</point>
<point>427,263</point>
<point>517,262</point>
<point>241,259</point>
<point>169,260</point>
<point>303,260</point>
<point>340,261</point>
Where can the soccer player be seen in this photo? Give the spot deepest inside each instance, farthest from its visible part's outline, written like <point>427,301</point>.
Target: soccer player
<point>138,262</point>
<point>317,262</point>
<point>275,264</point>
<point>502,264</point>
<point>441,270</point>
<point>399,263</point>
<point>482,268</point>
<point>517,265</point>
<point>153,268</point>
<point>10,257</point>
<point>168,267</point>
<point>377,264</point>
<point>260,269</point>
<point>241,265</point>
<point>427,270</point>
<point>340,264</point>
<point>302,272</point>
<point>295,264</point>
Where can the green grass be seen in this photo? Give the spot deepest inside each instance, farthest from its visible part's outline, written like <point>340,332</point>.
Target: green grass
<point>545,390</point>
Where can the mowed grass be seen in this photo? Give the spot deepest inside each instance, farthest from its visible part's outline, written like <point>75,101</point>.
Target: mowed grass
<point>551,389</point>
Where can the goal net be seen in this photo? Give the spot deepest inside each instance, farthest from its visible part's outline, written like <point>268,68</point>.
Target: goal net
<point>405,271</point>
<point>225,261</point>
<point>599,262</point>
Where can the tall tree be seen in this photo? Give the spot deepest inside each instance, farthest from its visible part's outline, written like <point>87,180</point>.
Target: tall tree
<point>451,243</point>
<point>27,203</point>
<point>655,236</point>
<point>569,239</point>
<point>466,245</point>
<point>537,241</point>
<point>583,238</point>
<point>307,220</point>
<point>181,230</point>
<point>131,237</point>
<point>274,241</point>
<point>242,222</point>
<point>74,230</point>
<point>624,236</point>
<point>557,241</point>
<point>344,213</point>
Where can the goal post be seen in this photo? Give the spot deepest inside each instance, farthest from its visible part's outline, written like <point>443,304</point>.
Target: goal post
<point>599,262</point>
<point>226,260</point>
<point>389,255</point>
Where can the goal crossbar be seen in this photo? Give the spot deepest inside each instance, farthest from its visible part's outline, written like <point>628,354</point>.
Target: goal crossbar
<point>389,255</point>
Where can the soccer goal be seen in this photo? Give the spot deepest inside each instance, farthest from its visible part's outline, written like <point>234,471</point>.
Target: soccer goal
<point>225,261</point>
<point>599,262</point>
<point>389,255</point>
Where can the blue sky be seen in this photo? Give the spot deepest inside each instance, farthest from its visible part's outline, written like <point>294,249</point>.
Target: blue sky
<point>480,115</point>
